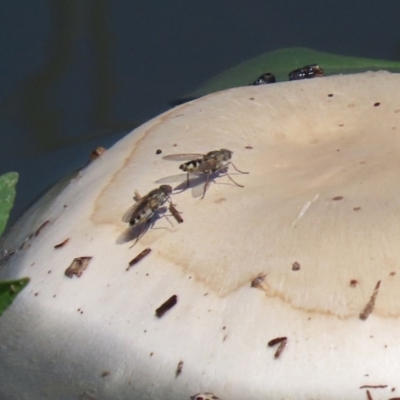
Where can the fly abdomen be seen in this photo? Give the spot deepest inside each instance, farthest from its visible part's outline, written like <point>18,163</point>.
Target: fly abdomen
<point>142,216</point>
<point>190,166</point>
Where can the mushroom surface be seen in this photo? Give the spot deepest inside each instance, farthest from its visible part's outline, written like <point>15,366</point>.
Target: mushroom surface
<point>307,253</point>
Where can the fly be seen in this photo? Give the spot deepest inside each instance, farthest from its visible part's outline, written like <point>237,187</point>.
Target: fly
<point>145,207</point>
<point>210,163</point>
<point>307,72</point>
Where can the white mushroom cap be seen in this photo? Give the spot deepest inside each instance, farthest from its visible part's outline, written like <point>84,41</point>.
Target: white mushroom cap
<point>318,220</point>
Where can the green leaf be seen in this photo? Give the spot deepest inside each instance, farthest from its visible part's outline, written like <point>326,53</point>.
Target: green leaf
<point>7,196</point>
<point>281,62</point>
<point>9,291</point>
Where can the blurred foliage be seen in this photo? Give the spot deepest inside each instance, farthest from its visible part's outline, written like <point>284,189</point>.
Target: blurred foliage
<point>8,289</point>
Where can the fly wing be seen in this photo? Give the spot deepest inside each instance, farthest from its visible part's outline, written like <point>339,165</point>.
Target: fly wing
<point>134,210</point>
<point>183,157</point>
<point>173,179</point>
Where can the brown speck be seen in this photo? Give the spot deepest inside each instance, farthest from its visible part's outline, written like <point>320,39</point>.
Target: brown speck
<point>105,373</point>
<point>353,282</point>
<point>36,293</point>
<point>205,294</point>
<point>41,227</point>
<point>249,147</point>
<point>258,280</point>
<point>341,125</point>
<point>220,200</point>
<point>179,369</point>
<point>356,208</point>
<point>330,95</point>
<point>337,198</point>
<point>159,151</point>
<point>282,344</point>
<point>397,111</point>
<point>96,153</point>
<point>166,306</point>
<point>295,266</point>
<point>175,213</point>
<point>393,389</point>
<point>370,305</point>
<point>224,338</point>
<point>151,354</point>
<point>32,264</point>
<point>351,105</point>
<point>338,150</point>
<point>369,397</point>
<point>174,145</point>
<point>251,98</point>
<point>392,273</point>
<point>140,256</point>
<point>373,386</point>
<point>377,104</point>
<point>77,267</point>
<point>54,295</point>
<point>63,243</point>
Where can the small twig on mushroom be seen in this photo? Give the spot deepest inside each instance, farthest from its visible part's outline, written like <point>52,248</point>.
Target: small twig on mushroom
<point>370,305</point>
<point>41,227</point>
<point>166,306</point>
<point>369,397</point>
<point>373,386</point>
<point>175,213</point>
<point>282,344</point>
<point>63,243</point>
<point>179,369</point>
<point>139,257</point>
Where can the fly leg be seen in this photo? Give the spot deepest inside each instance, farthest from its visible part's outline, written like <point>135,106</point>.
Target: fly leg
<point>206,184</point>
<point>225,166</point>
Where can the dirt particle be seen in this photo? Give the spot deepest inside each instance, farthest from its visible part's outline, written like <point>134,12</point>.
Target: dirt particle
<point>353,283</point>
<point>36,293</point>
<point>77,267</point>
<point>356,208</point>
<point>96,153</point>
<point>159,151</point>
<point>151,354</point>
<point>377,104</point>
<point>295,266</point>
<point>393,273</point>
<point>341,125</point>
<point>258,280</point>
<point>249,147</point>
<point>337,198</point>
<point>330,95</point>
<point>105,373</point>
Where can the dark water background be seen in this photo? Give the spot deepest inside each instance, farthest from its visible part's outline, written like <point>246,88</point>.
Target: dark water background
<point>76,74</point>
